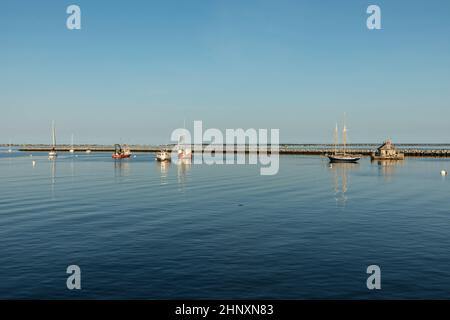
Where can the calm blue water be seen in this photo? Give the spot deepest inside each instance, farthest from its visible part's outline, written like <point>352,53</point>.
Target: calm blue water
<point>142,230</point>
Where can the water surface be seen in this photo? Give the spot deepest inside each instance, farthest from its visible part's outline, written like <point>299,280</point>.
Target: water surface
<point>139,229</point>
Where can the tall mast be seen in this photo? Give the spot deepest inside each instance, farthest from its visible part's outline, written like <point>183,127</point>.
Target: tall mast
<point>344,137</point>
<point>54,134</point>
<point>335,139</point>
<point>181,139</point>
<point>344,134</point>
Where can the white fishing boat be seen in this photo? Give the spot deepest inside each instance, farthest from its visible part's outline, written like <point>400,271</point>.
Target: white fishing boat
<point>72,150</point>
<point>342,155</point>
<point>53,154</point>
<point>163,156</point>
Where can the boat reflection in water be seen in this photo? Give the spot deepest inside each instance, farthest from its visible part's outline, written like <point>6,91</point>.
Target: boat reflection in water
<point>164,169</point>
<point>341,180</point>
<point>183,168</point>
<point>53,178</point>
<point>121,168</point>
<point>386,168</point>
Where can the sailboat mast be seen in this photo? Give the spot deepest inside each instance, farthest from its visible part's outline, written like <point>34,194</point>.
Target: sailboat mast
<point>181,145</point>
<point>344,134</point>
<point>344,137</point>
<point>335,139</point>
<point>54,134</point>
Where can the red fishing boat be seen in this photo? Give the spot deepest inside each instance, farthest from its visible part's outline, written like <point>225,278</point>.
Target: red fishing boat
<point>121,153</point>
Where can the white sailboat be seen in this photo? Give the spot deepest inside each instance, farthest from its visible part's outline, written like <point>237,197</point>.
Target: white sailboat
<point>53,154</point>
<point>183,151</point>
<point>10,147</point>
<point>72,150</point>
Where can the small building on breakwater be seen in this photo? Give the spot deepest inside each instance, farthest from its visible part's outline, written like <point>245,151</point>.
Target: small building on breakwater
<point>387,151</point>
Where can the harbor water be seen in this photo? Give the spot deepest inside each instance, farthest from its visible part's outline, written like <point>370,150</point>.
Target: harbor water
<point>139,229</point>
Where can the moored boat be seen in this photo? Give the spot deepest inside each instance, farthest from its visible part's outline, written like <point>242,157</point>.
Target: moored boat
<point>53,154</point>
<point>163,156</point>
<point>342,155</point>
<point>343,158</point>
<point>72,150</point>
<point>183,151</point>
<point>121,153</point>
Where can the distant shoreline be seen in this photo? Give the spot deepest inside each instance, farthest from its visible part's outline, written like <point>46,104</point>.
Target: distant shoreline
<point>410,150</point>
<point>84,145</point>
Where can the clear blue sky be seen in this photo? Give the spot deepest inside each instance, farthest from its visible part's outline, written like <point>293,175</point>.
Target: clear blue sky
<point>137,69</point>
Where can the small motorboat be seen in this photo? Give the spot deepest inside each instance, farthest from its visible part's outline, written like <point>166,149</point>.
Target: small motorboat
<point>163,156</point>
<point>121,153</point>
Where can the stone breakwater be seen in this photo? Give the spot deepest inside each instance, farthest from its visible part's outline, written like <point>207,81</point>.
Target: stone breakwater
<point>363,149</point>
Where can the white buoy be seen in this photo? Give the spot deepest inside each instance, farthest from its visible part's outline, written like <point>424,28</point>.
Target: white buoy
<point>34,163</point>
<point>443,173</point>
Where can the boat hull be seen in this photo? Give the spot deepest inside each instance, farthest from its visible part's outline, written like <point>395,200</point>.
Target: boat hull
<point>163,157</point>
<point>344,159</point>
<point>120,156</point>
